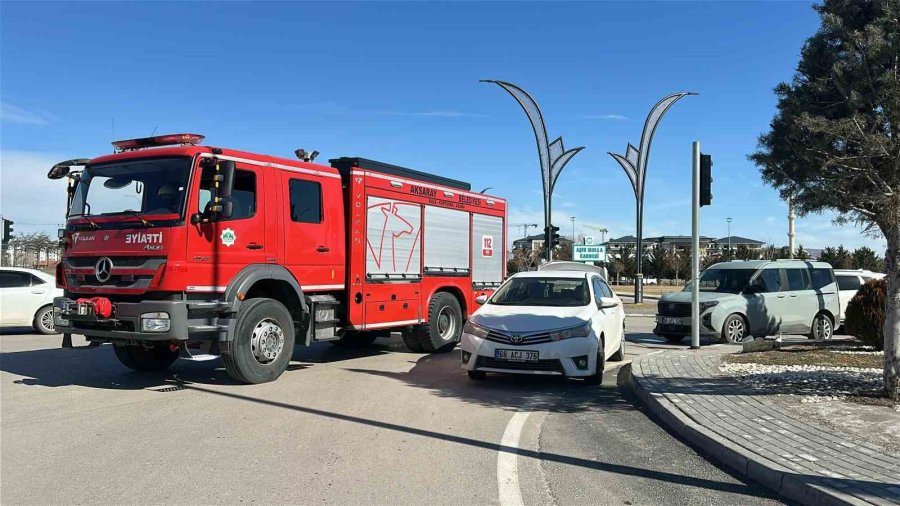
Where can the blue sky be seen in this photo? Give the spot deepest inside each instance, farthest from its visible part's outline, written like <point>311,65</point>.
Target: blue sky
<point>398,82</point>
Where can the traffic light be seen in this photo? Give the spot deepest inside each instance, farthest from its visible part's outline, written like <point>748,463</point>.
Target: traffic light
<point>705,180</point>
<point>7,229</point>
<point>554,236</point>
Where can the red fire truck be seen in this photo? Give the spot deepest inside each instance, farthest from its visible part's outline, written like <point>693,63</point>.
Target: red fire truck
<point>176,250</point>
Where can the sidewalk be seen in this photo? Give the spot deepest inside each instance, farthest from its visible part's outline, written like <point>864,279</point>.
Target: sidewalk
<point>750,433</point>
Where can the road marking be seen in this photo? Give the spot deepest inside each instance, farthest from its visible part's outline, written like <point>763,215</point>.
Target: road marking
<point>507,460</point>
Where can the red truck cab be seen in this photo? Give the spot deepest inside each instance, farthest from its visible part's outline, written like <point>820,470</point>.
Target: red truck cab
<point>198,252</point>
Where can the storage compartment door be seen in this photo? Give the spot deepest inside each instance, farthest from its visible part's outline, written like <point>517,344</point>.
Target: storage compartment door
<point>446,241</point>
<point>487,250</point>
<point>393,238</point>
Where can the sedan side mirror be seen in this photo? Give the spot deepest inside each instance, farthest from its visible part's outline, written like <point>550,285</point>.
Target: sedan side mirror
<point>481,299</point>
<point>608,303</point>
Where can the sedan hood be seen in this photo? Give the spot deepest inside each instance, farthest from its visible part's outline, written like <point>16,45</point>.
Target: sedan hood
<point>704,296</point>
<point>531,318</point>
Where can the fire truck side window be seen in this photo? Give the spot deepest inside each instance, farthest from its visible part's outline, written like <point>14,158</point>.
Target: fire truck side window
<point>243,195</point>
<point>306,201</point>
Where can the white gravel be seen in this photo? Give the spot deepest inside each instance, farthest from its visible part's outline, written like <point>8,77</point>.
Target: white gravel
<point>807,380</point>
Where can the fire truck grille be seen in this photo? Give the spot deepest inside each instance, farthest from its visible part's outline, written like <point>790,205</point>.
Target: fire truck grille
<point>133,273</point>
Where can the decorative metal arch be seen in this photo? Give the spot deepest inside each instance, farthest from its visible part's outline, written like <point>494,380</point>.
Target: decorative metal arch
<point>634,163</point>
<point>553,156</point>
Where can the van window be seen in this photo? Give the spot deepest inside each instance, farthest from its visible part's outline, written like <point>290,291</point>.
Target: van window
<point>306,201</point>
<point>798,279</point>
<point>768,281</point>
<point>821,278</point>
<point>848,282</point>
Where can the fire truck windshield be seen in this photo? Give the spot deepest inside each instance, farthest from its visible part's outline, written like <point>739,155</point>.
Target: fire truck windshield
<point>153,186</point>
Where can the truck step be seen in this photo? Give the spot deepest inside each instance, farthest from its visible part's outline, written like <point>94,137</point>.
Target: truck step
<point>200,357</point>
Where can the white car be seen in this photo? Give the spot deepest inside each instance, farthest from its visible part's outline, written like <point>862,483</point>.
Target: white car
<point>552,322</point>
<point>26,299</point>
<point>849,281</point>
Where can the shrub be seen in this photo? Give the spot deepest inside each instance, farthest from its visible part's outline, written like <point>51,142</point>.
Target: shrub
<point>864,318</point>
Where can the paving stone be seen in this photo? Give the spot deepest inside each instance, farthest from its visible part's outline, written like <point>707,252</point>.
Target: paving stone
<point>753,434</point>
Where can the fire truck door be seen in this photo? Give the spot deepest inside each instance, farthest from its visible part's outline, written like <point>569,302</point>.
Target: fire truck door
<point>310,245</point>
<point>217,251</point>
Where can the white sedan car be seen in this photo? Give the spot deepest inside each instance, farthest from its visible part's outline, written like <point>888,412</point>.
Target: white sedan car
<point>26,299</point>
<point>553,322</point>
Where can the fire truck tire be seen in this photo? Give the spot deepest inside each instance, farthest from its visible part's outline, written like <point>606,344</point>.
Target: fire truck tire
<point>444,327</point>
<point>263,342</point>
<point>139,358</point>
<point>411,340</point>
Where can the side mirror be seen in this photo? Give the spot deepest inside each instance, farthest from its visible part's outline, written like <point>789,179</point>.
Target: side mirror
<point>223,187</point>
<point>481,299</point>
<point>608,303</point>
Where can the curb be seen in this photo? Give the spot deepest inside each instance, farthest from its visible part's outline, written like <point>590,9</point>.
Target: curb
<point>807,490</point>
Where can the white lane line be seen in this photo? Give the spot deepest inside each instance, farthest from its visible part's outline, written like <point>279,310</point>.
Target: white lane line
<point>507,460</point>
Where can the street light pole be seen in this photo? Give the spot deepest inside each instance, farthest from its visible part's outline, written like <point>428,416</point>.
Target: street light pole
<point>573,230</point>
<point>729,237</point>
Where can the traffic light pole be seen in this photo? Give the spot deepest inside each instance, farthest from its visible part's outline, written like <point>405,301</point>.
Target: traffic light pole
<point>695,250</point>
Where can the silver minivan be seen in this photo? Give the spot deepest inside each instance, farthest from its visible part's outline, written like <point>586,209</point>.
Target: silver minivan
<point>755,298</point>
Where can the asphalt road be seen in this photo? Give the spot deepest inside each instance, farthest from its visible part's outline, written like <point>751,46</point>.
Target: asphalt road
<point>373,426</point>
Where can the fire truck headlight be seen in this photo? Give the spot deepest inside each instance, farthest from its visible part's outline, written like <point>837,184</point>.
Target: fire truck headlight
<point>155,322</point>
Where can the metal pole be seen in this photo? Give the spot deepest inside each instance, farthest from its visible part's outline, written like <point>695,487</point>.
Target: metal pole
<point>573,230</point>
<point>729,238</point>
<point>547,246</point>
<point>695,257</point>
<point>638,256</point>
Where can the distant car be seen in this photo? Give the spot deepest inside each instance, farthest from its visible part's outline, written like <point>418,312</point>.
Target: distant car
<point>552,322</point>
<point>651,281</point>
<point>26,299</point>
<point>755,298</point>
<point>849,281</point>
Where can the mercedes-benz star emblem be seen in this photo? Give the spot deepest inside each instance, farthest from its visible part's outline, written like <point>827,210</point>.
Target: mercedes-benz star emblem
<point>515,338</point>
<point>103,269</point>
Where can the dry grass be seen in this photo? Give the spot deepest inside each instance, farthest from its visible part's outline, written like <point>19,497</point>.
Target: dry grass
<point>809,355</point>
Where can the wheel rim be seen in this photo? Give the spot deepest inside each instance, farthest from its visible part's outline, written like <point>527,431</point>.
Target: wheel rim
<point>823,328</point>
<point>267,341</point>
<point>446,324</point>
<point>736,330</point>
<point>46,321</point>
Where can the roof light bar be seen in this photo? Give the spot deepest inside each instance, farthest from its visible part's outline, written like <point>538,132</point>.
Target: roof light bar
<point>159,140</point>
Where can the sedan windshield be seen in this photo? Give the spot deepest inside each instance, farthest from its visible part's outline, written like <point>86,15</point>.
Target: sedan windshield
<point>527,291</point>
<point>724,280</point>
<point>145,186</point>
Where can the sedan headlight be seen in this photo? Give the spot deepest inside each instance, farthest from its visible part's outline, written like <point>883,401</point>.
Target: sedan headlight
<point>155,322</point>
<point>582,330</point>
<point>707,305</point>
<point>475,330</point>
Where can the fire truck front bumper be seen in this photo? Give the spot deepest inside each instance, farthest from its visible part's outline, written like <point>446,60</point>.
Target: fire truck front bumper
<point>129,321</point>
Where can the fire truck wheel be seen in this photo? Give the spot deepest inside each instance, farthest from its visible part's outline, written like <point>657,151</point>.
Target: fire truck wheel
<point>411,340</point>
<point>444,327</point>
<point>139,358</point>
<point>263,342</point>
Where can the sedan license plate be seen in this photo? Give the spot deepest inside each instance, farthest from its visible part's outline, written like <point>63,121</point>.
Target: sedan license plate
<point>668,320</point>
<point>516,355</point>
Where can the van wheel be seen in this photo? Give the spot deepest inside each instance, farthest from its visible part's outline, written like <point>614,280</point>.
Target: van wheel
<point>263,342</point>
<point>139,358</point>
<point>734,330</point>
<point>43,321</point>
<point>444,327</point>
<point>822,329</point>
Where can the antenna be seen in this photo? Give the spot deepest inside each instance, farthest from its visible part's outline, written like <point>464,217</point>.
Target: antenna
<point>113,122</point>
<point>154,131</point>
